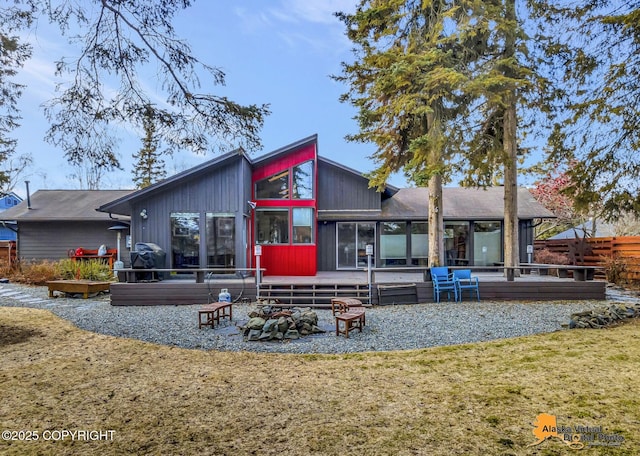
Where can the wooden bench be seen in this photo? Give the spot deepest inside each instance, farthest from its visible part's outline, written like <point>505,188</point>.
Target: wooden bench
<point>342,305</point>
<point>349,314</point>
<point>90,254</point>
<point>211,314</point>
<point>350,320</point>
<point>580,272</point>
<point>77,286</point>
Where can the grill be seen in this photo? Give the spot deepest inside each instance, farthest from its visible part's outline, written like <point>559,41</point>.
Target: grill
<point>147,255</point>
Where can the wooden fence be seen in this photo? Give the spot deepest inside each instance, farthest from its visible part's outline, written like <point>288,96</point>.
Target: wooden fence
<point>7,253</point>
<point>602,251</point>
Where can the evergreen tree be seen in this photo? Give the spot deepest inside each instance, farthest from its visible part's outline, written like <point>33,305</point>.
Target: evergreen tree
<point>13,54</point>
<point>596,50</point>
<point>438,86</point>
<point>406,83</point>
<point>148,167</point>
<point>512,96</point>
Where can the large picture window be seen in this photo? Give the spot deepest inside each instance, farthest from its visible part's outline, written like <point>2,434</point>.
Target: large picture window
<point>272,226</point>
<point>185,239</point>
<point>221,236</point>
<point>393,244</point>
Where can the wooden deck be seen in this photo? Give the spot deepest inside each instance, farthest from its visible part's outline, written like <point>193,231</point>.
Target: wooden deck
<point>317,291</point>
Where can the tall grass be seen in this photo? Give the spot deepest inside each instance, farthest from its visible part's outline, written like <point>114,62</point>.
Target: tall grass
<point>38,272</point>
<point>92,269</point>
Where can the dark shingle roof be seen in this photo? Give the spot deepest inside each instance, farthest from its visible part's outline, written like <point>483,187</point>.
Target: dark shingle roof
<point>461,203</point>
<point>63,205</point>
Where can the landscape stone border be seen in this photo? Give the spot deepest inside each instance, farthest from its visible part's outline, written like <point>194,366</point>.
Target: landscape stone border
<point>603,317</point>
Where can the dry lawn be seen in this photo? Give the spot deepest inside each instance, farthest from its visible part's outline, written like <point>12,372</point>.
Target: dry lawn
<point>479,399</point>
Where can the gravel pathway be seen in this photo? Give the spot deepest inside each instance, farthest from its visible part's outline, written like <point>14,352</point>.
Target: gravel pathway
<point>388,327</point>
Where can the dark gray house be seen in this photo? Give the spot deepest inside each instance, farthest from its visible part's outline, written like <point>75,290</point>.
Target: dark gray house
<point>304,213</point>
<point>301,212</point>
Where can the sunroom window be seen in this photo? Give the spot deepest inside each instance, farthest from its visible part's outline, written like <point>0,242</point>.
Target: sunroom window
<point>274,187</point>
<point>302,225</point>
<point>272,226</point>
<point>292,183</point>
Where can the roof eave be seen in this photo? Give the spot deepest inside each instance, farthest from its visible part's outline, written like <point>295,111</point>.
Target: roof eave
<point>112,205</point>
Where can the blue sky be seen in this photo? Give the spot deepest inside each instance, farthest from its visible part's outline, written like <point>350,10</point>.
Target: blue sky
<point>279,52</point>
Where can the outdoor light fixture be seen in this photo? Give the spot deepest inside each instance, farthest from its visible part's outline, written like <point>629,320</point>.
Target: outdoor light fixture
<point>143,214</point>
<point>252,204</point>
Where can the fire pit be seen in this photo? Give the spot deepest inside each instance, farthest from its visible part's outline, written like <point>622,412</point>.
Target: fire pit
<point>269,323</point>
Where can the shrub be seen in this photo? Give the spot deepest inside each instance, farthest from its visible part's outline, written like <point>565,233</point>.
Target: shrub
<point>546,256</point>
<point>615,268</point>
<point>6,269</point>
<point>34,272</point>
<point>93,269</point>
<point>41,271</point>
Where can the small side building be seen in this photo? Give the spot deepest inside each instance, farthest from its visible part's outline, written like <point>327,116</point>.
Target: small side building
<point>53,222</point>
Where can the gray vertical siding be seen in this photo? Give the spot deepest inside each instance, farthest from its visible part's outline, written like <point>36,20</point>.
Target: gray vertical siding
<point>222,190</point>
<point>52,240</point>
<point>339,189</point>
<point>244,214</point>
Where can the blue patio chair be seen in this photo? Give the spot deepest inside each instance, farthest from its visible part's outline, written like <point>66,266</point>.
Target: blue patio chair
<point>442,281</point>
<point>464,281</point>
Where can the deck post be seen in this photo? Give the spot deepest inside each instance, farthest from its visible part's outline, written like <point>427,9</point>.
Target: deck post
<point>258,254</point>
<point>369,251</point>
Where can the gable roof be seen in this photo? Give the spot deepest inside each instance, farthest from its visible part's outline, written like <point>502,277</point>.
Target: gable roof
<point>397,204</point>
<point>63,205</point>
<point>603,229</point>
<point>460,203</point>
<point>278,153</point>
<point>121,205</point>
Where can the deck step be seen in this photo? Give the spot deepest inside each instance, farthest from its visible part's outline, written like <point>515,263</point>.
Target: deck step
<point>312,295</point>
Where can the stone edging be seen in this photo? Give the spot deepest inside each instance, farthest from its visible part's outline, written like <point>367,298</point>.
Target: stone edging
<point>606,316</point>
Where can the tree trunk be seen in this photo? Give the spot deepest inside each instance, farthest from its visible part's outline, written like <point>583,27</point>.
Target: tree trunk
<point>511,253</point>
<point>436,222</point>
<point>511,250</point>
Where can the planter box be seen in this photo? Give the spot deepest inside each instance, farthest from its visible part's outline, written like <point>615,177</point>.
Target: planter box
<point>77,286</point>
<point>397,294</point>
